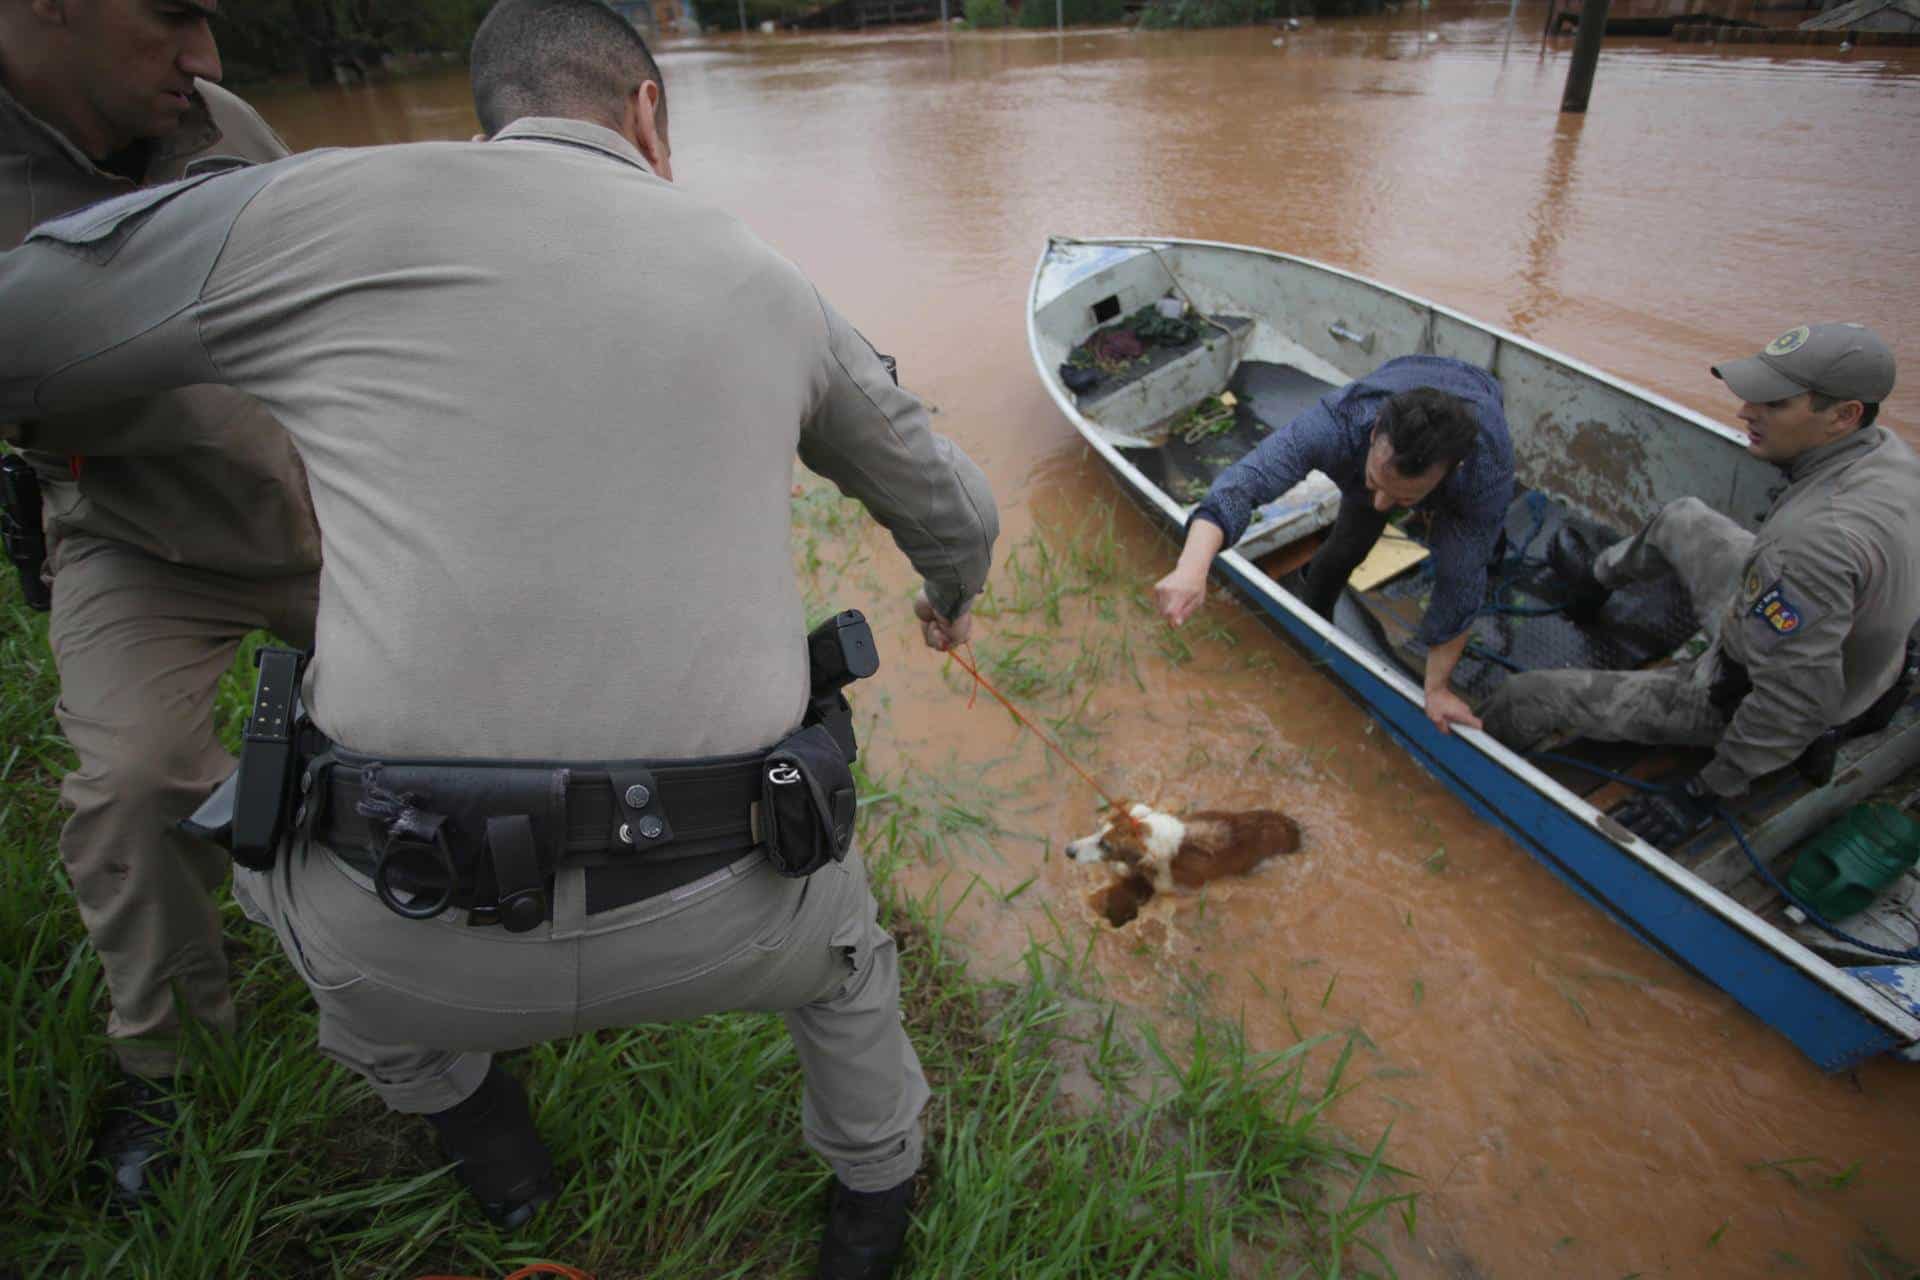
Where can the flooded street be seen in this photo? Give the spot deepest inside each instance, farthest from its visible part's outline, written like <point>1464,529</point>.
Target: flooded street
<point>1568,1102</point>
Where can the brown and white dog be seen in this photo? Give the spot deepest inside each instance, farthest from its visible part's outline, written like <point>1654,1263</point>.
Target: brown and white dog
<point>1158,851</point>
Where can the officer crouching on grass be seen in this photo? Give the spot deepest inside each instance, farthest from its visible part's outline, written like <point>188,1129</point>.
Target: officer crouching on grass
<point>159,563</point>
<point>549,405</point>
<point>1809,619</point>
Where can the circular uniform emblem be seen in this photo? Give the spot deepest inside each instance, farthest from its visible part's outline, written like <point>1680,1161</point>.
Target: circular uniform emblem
<point>1789,342</point>
<point>1753,586</point>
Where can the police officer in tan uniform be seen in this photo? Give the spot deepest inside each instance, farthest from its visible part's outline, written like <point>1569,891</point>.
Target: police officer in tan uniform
<point>1809,618</point>
<point>175,524</point>
<point>560,669</point>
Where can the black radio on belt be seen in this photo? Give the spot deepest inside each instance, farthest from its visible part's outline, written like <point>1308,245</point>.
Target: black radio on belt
<point>839,651</point>
<point>20,529</point>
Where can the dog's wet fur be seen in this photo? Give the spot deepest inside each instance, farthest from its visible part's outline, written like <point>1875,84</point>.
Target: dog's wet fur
<point>1152,852</point>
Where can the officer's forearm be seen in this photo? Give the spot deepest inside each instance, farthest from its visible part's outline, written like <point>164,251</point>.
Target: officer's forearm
<point>1767,732</point>
<point>874,440</point>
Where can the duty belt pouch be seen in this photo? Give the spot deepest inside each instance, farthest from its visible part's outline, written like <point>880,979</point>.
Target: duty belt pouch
<point>484,838</point>
<point>806,803</point>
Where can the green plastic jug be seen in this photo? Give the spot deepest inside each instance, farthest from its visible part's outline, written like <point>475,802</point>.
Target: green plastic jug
<point>1843,869</point>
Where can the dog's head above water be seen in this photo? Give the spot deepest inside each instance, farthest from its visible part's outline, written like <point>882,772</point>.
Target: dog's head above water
<point>1149,834</point>
<point>1188,850</point>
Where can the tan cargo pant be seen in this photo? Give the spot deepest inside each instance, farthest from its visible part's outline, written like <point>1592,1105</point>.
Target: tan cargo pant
<point>1667,706</point>
<point>141,645</point>
<point>418,1006</point>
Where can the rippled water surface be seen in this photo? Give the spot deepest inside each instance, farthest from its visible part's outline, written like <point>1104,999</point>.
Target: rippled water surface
<point>1570,1103</point>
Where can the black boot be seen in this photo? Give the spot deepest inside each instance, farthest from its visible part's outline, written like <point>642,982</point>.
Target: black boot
<point>1570,555</point>
<point>136,1138</point>
<point>1817,763</point>
<point>502,1160</point>
<point>865,1231</point>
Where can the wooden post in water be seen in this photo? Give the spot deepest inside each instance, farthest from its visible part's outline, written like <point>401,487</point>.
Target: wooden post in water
<point>743,17</point>
<point>1586,53</point>
<point>1060,16</point>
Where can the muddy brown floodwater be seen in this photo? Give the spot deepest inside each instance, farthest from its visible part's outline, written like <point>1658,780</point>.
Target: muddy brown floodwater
<point>1570,1103</point>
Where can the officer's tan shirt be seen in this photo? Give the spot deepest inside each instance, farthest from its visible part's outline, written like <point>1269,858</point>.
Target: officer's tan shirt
<point>1826,600</point>
<point>549,405</point>
<point>199,476</point>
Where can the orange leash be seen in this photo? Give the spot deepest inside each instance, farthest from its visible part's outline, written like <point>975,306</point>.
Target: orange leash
<point>981,682</point>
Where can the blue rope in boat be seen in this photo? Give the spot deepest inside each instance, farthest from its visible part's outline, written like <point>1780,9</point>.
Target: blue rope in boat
<point>1553,757</point>
<point>1516,563</point>
<point>1476,650</point>
<point>1519,610</point>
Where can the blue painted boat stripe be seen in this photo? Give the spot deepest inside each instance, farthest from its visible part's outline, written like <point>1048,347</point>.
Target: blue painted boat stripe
<point>1827,1027</point>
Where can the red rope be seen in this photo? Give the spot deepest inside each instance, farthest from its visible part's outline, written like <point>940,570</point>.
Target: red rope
<point>981,682</point>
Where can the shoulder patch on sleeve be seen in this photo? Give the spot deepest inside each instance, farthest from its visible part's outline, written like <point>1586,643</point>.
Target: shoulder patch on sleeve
<point>97,231</point>
<point>1773,608</point>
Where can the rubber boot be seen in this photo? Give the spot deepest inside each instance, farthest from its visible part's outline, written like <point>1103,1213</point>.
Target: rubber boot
<point>501,1158</point>
<point>1570,555</point>
<point>866,1231</point>
<point>136,1138</point>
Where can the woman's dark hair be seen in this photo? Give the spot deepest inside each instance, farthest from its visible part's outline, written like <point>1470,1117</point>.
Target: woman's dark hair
<point>1426,426</point>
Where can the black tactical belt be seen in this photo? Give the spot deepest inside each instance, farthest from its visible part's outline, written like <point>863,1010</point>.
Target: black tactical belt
<point>489,837</point>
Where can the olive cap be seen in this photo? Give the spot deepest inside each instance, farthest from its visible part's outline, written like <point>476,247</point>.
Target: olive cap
<point>1846,361</point>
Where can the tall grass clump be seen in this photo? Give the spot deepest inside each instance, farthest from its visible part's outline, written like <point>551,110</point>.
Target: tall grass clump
<point>986,13</point>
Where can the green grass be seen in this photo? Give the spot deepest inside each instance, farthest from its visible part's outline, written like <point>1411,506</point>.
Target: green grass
<point>1188,1155</point>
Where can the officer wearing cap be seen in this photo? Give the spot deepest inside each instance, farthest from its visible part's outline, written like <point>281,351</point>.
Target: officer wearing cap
<point>549,404</point>
<point>174,525</point>
<point>1809,618</point>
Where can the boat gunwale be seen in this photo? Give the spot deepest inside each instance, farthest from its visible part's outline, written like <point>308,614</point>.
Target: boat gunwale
<point>1870,1001</point>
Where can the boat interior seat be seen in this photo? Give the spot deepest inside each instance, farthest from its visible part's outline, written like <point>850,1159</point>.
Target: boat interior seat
<point>1169,380</point>
<point>1267,397</point>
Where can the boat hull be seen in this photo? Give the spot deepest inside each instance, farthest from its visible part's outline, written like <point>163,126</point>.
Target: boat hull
<point>1833,1017</point>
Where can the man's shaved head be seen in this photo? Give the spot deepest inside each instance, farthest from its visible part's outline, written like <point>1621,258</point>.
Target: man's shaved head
<point>574,58</point>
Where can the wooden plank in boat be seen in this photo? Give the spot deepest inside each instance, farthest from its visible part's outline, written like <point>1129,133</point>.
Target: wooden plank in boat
<point>1389,558</point>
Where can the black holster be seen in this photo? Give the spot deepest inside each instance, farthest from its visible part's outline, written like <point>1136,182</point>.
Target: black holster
<point>247,814</point>
<point>20,528</point>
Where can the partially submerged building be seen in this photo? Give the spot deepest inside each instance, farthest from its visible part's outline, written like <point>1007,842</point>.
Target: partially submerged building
<point>1869,15</point>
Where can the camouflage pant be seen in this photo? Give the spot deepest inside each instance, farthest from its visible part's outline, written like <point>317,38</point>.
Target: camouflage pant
<point>1704,550</point>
